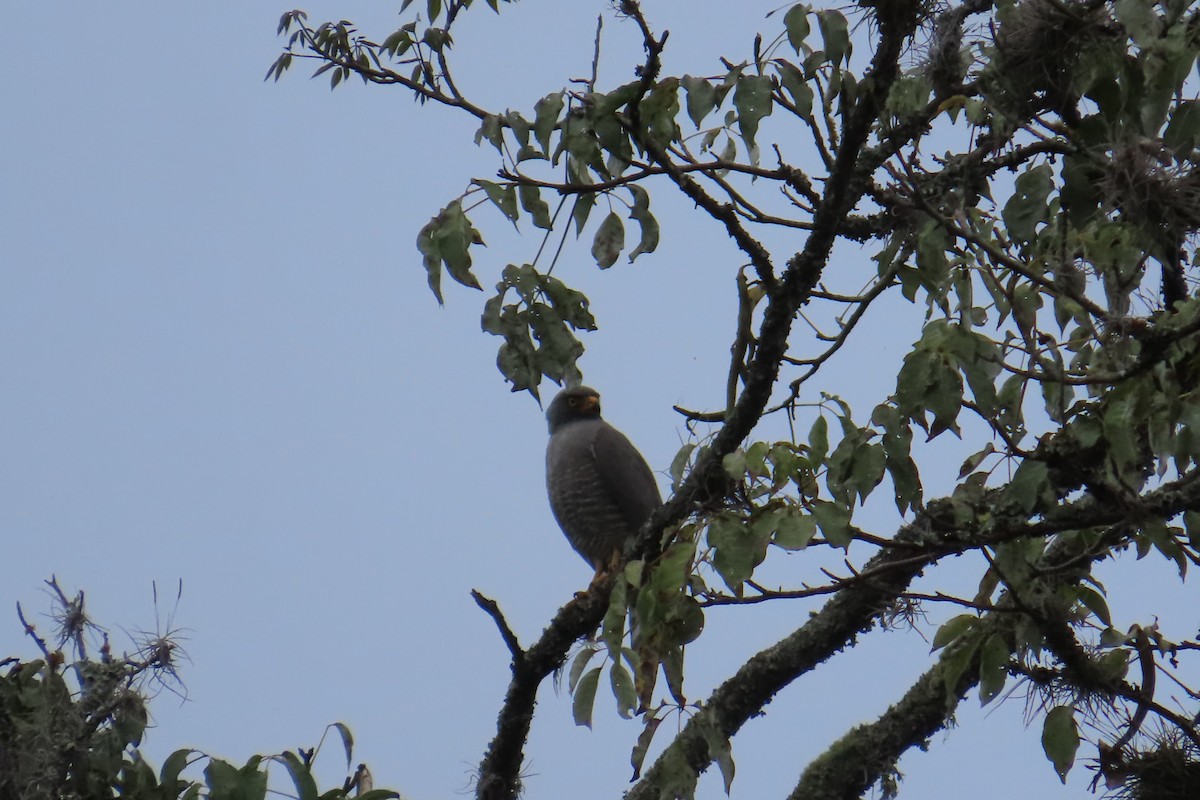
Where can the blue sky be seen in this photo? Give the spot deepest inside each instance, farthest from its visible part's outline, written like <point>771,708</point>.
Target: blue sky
<point>223,366</point>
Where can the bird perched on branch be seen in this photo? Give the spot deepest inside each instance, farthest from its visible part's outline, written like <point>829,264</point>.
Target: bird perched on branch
<point>601,489</point>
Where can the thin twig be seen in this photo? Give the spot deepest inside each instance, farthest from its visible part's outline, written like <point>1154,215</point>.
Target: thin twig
<point>492,608</point>
<point>31,632</point>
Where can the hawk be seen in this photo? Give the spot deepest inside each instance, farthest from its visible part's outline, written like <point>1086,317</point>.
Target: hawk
<point>601,489</point>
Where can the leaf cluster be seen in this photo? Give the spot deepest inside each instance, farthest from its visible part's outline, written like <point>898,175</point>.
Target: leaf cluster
<point>71,725</point>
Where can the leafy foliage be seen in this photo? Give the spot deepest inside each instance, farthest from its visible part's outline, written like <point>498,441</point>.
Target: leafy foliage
<point>1024,179</point>
<point>72,730</point>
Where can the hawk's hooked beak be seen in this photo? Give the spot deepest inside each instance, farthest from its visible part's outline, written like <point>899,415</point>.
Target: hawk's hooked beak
<point>589,402</point>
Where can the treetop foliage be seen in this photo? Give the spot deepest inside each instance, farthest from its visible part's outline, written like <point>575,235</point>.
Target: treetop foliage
<point>1024,175</point>
<point>71,723</point>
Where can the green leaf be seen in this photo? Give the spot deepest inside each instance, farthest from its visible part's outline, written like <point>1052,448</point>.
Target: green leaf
<point>897,447</point>
<point>685,618</point>
<point>867,473</point>
<point>679,463</point>
<point>585,697</point>
<point>756,459</point>
<point>492,129</point>
<point>638,756</point>
<point>1080,192</point>
<point>1184,128</point>
<point>517,361</point>
<point>953,665</point>
<point>1155,532</point>
<point>581,210</point>
<point>545,117</point>
<point>908,95</point>
<point>735,464</point>
<point>720,750</point>
<point>519,126</point>
<point>1115,664</point>
<point>1191,523</point>
<point>1027,299</point>
<point>729,151</point>
<point>137,778</point>
<point>739,549</point>
<point>840,477</point>
<point>945,394</point>
<point>659,110</point>
<point>974,460</point>
<point>503,197</point>
<point>796,23</point>
<point>582,659</point>
<point>834,521</point>
<point>633,572</point>
<point>793,529</point>
<point>1026,209</point>
<point>649,225</point>
<point>222,778</point>
<point>609,241</point>
<point>623,691</point>
<point>933,267</point>
<point>175,763</point>
<point>613,627</point>
<point>672,666</point>
<point>979,360</point>
<point>836,35</point>
<point>1111,637</point>
<point>1060,739</point>
<point>398,42</point>
<point>532,202</point>
<point>1094,602</point>
<point>994,657</point>
<point>347,741</point>
<point>953,629</point>
<point>818,441</point>
<point>794,84</point>
<point>701,98</point>
<point>912,383</point>
<point>674,567</point>
<point>226,782</point>
<point>571,305</point>
<point>302,779</point>
<point>578,141</point>
<point>446,239</point>
<point>436,38</point>
<point>1009,400</point>
<point>1029,485</point>
<point>752,99</point>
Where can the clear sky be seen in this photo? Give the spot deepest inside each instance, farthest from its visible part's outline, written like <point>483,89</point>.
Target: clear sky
<point>222,366</point>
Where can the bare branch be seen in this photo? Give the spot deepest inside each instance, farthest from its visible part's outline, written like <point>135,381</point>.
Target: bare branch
<point>492,609</point>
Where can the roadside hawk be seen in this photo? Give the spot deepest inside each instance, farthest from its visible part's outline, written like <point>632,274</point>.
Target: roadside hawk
<point>601,489</point>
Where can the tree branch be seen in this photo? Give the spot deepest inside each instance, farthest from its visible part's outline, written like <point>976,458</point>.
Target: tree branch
<point>499,771</point>
<point>857,608</point>
<point>510,639</point>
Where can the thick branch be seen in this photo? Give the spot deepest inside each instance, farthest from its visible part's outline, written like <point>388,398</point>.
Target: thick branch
<point>867,753</point>
<point>857,607</point>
